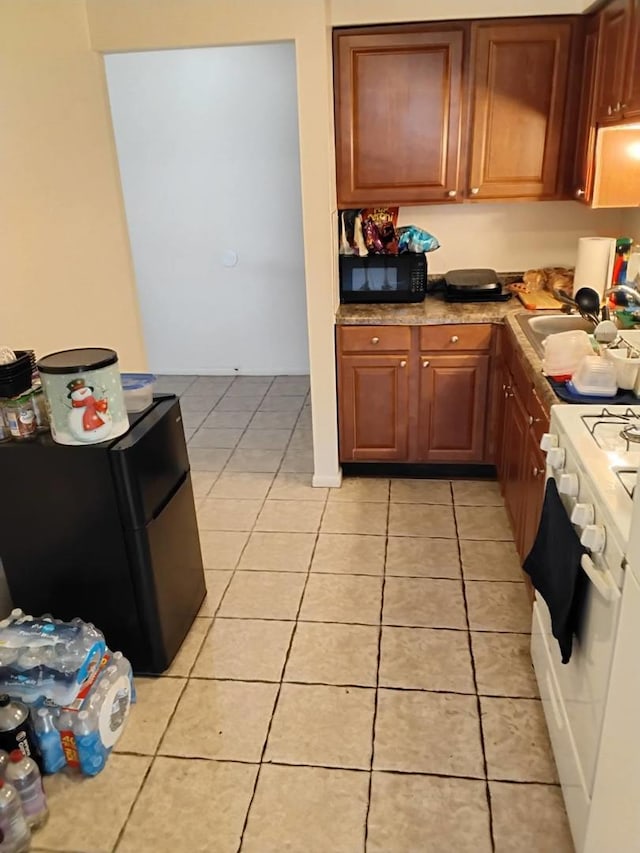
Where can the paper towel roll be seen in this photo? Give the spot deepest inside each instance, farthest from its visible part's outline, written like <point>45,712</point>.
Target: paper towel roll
<point>594,266</point>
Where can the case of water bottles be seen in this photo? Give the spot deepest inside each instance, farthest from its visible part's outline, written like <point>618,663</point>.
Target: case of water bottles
<point>78,691</point>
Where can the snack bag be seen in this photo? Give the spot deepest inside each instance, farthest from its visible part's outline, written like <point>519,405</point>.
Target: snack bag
<point>379,226</point>
<point>414,239</point>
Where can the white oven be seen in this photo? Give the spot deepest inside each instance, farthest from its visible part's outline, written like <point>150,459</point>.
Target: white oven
<point>591,464</point>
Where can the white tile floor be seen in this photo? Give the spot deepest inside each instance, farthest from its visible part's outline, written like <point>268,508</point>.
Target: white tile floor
<point>357,679</point>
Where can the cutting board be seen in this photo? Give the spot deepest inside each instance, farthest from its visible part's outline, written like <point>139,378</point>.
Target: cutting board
<point>539,300</point>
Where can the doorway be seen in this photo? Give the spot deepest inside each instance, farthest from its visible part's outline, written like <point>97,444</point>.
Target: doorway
<point>207,143</point>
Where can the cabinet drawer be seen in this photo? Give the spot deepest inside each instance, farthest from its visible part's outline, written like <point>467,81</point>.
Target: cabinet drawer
<point>454,337</point>
<point>374,338</point>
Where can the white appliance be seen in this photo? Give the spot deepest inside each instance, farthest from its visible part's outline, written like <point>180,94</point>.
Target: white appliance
<point>614,820</point>
<point>593,453</point>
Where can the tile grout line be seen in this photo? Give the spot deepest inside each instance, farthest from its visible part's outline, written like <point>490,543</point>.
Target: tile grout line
<point>475,681</point>
<point>281,682</point>
<point>379,653</point>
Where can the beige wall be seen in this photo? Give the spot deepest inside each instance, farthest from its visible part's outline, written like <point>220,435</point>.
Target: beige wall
<point>65,270</point>
<point>65,250</point>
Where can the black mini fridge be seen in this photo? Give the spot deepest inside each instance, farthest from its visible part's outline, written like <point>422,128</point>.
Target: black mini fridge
<point>107,532</point>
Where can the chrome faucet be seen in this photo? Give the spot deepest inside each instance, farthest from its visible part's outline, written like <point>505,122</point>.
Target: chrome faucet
<point>630,292</point>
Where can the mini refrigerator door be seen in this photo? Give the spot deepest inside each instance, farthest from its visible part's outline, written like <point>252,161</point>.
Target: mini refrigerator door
<point>151,472</point>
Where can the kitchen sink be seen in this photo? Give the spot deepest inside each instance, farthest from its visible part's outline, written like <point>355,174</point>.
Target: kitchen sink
<point>537,328</point>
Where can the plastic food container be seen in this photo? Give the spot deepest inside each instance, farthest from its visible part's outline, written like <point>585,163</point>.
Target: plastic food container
<point>84,396</point>
<point>564,351</point>
<point>595,377</point>
<point>627,369</point>
<point>138,390</point>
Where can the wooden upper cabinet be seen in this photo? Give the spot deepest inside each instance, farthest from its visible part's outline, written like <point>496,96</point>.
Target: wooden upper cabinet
<point>519,89</point>
<point>631,101</point>
<point>582,183</point>
<point>615,22</point>
<point>398,115</point>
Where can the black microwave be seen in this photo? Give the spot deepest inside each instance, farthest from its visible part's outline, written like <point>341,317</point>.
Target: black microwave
<point>383,278</point>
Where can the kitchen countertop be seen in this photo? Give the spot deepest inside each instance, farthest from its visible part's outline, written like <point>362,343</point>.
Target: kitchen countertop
<point>435,311</point>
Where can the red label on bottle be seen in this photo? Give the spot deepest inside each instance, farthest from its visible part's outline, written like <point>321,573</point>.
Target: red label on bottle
<point>69,746</point>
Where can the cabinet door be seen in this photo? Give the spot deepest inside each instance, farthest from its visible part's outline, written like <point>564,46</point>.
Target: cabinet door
<point>614,29</point>
<point>398,114</point>
<point>631,103</point>
<point>534,477</point>
<point>519,92</point>
<point>586,130</point>
<point>515,443</point>
<point>374,407</point>
<point>453,397</point>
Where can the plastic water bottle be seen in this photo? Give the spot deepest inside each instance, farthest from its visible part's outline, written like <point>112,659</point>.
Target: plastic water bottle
<point>53,758</point>
<point>14,831</point>
<point>91,752</point>
<point>124,668</point>
<point>24,775</point>
<point>4,763</point>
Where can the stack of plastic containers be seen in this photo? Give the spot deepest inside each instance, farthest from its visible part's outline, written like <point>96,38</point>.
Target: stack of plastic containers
<point>78,691</point>
<point>22,407</point>
<point>563,352</point>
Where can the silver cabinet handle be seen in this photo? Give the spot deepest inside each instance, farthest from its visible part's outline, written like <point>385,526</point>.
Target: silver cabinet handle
<point>454,339</point>
<point>452,193</point>
<point>403,363</point>
<point>375,340</point>
<point>425,364</point>
<point>475,190</point>
<point>579,193</point>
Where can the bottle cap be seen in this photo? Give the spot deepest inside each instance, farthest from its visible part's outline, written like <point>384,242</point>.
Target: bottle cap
<point>4,700</point>
<point>15,755</point>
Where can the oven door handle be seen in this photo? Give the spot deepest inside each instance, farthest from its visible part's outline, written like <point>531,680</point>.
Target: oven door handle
<point>602,580</point>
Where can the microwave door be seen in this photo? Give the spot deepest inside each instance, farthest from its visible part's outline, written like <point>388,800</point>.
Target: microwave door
<point>385,284</point>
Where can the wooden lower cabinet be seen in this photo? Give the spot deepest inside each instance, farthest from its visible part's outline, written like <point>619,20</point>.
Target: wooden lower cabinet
<point>373,407</point>
<point>413,394</point>
<point>453,402</point>
<point>520,462</point>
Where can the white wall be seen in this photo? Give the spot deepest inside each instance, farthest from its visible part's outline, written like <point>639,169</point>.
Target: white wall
<point>510,237</point>
<point>207,141</point>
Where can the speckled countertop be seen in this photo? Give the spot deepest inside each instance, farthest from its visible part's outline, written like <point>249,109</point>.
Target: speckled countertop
<point>435,311</point>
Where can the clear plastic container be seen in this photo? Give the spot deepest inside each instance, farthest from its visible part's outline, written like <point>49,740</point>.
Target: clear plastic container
<point>595,377</point>
<point>21,416</point>
<point>564,351</point>
<point>138,390</point>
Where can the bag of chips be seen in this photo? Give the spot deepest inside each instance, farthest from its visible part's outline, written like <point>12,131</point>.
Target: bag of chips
<point>379,227</point>
<point>414,239</point>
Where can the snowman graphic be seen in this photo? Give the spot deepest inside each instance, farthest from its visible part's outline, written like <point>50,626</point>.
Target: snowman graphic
<point>89,419</point>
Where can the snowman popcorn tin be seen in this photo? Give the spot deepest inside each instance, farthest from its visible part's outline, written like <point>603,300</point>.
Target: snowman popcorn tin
<point>83,394</point>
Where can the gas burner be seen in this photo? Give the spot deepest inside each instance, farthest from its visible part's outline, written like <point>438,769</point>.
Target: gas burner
<point>631,435</point>
<point>604,427</point>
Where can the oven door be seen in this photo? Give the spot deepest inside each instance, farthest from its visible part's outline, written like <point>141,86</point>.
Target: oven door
<point>574,694</point>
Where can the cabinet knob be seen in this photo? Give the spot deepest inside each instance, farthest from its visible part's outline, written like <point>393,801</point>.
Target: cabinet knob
<point>403,363</point>
<point>536,471</point>
<point>375,340</point>
<point>579,193</point>
<point>475,190</point>
<point>617,107</point>
<point>531,419</point>
<point>454,339</point>
<point>425,364</point>
<point>623,106</point>
<point>452,193</point>
<point>609,110</point>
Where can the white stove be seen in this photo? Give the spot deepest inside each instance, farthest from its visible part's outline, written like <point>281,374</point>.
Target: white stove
<point>593,453</point>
